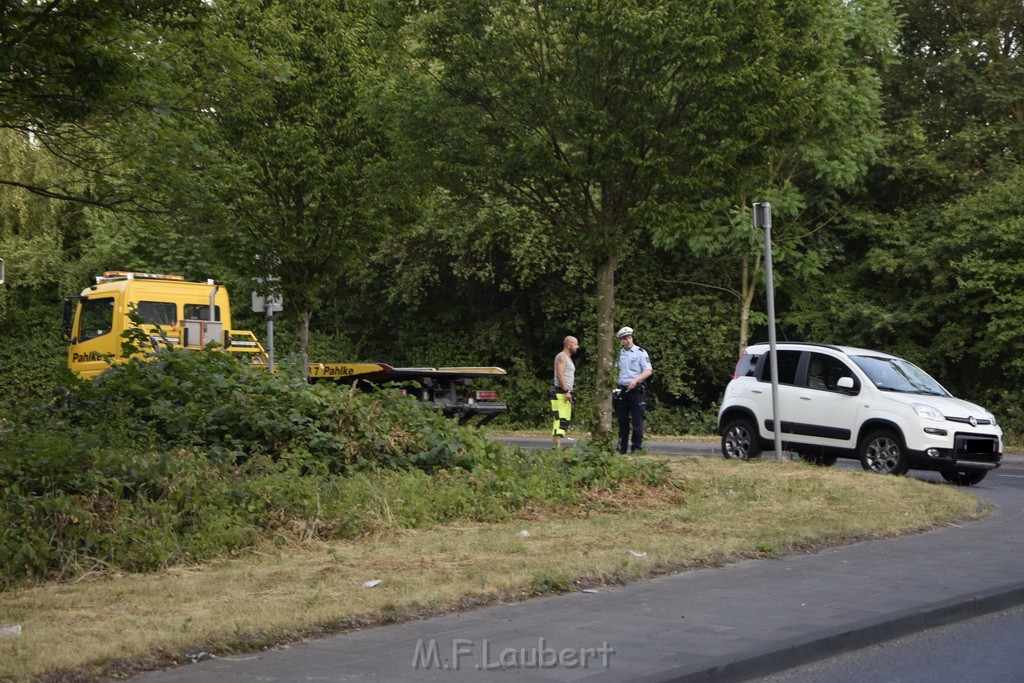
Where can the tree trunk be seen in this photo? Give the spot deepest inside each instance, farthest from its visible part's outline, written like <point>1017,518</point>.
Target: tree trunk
<point>605,344</point>
<point>304,317</point>
<point>747,289</point>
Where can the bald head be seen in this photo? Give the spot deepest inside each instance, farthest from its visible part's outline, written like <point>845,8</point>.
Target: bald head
<point>570,345</point>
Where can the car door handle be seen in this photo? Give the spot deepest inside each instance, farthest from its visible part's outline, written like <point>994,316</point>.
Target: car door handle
<point>805,397</point>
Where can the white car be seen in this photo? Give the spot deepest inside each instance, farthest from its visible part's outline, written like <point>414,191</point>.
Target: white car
<point>842,402</point>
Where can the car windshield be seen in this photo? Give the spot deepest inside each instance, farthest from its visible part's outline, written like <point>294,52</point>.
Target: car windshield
<point>894,374</point>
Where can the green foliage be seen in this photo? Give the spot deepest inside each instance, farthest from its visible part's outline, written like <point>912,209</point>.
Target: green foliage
<point>290,176</point>
<point>64,61</point>
<point>926,263</point>
<point>211,400</point>
<point>618,124</point>
<point>193,455</point>
<point>69,506</point>
<point>31,352</point>
<point>543,583</point>
<point>680,419</point>
<point>74,72</point>
<point>318,134</point>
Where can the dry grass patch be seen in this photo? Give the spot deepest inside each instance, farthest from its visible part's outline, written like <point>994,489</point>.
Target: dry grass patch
<point>722,511</point>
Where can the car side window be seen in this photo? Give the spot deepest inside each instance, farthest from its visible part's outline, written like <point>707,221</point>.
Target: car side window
<point>788,362</point>
<point>824,372</point>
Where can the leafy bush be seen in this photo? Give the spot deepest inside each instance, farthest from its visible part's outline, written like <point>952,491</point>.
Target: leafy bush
<point>667,419</point>
<point>69,506</point>
<point>31,352</point>
<point>211,401</point>
<point>194,455</point>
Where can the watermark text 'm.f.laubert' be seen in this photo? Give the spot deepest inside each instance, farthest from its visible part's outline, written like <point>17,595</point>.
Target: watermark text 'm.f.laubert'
<point>485,656</point>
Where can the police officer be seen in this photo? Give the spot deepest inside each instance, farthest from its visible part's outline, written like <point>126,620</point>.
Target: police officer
<point>630,402</point>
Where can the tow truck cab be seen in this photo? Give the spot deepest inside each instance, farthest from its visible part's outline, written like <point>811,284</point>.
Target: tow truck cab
<point>189,314</point>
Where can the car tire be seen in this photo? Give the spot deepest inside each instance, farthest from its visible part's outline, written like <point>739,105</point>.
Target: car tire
<point>964,477</point>
<point>882,452</point>
<point>739,439</point>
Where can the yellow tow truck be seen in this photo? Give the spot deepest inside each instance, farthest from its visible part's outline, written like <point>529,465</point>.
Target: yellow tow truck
<point>192,315</point>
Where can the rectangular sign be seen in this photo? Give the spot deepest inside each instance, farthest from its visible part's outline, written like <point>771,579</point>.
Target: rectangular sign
<point>263,304</point>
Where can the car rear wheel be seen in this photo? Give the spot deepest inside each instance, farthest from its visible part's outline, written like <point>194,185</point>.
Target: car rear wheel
<point>882,452</point>
<point>739,439</point>
<point>964,477</point>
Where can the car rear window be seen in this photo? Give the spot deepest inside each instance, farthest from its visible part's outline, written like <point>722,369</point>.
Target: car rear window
<point>788,362</point>
<point>746,366</point>
<point>158,312</point>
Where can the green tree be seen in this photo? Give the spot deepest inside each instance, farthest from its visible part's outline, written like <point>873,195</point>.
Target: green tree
<point>828,132</point>
<point>71,69</point>
<point>609,119</point>
<point>286,166</point>
<point>909,272</point>
<point>37,238</point>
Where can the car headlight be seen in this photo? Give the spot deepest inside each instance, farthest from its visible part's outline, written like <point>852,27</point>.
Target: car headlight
<point>928,412</point>
<point>993,418</point>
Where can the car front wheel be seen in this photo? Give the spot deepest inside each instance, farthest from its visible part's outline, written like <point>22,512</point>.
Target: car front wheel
<point>881,452</point>
<point>739,439</point>
<point>964,477</point>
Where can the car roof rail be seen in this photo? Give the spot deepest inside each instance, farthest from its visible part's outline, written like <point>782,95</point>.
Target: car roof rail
<point>802,343</point>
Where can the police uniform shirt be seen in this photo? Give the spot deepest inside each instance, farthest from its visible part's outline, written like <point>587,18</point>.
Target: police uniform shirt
<point>631,363</point>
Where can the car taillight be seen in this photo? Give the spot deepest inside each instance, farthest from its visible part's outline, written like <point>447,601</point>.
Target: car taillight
<point>736,370</point>
<point>486,395</point>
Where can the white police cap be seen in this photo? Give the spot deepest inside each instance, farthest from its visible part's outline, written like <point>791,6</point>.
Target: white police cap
<point>624,332</point>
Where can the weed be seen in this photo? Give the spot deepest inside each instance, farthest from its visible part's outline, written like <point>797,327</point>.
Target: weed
<point>549,583</point>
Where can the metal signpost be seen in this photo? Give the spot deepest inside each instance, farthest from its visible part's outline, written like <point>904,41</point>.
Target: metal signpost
<point>763,221</point>
<point>269,305</point>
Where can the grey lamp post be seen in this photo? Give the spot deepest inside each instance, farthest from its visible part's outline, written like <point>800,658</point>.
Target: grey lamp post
<point>763,220</point>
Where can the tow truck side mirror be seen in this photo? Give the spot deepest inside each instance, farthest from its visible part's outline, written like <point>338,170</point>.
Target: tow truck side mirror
<point>68,322</point>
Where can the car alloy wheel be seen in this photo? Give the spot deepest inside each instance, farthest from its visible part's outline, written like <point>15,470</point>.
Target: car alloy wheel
<point>739,440</point>
<point>881,452</point>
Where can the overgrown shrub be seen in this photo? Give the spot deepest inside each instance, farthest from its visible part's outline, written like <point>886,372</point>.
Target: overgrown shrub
<point>211,401</point>
<point>194,455</point>
<point>69,506</point>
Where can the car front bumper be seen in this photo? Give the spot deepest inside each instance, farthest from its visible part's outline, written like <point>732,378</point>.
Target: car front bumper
<point>967,451</point>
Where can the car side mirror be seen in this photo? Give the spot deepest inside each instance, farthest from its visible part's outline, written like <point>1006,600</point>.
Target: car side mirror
<point>846,384</point>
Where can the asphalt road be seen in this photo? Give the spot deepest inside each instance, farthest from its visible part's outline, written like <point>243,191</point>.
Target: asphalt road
<point>983,649</point>
<point>1011,473</point>
<point>747,619</point>
<point>654,447</point>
